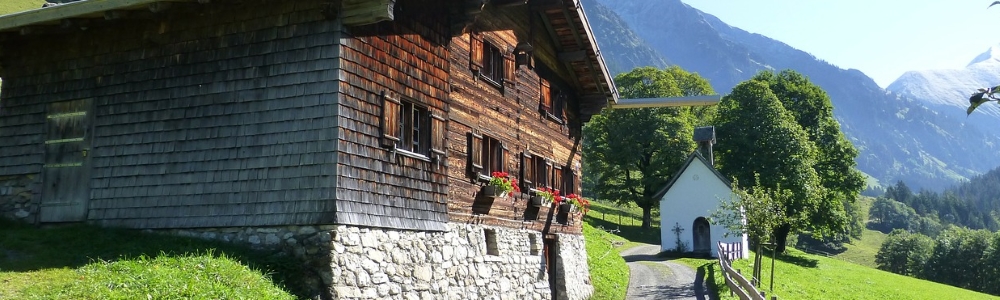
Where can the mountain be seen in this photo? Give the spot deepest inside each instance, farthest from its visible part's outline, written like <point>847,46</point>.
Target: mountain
<point>949,90</point>
<point>630,50</point>
<point>899,138</point>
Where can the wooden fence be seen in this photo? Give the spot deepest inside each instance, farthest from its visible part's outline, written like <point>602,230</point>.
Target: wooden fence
<point>738,285</point>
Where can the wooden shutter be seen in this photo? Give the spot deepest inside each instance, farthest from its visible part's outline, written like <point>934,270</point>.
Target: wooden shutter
<point>557,180</point>
<point>502,166</point>
<point>509,68</point>
<point>545,91</point>
<point>438,134</point>
<point>390,121</point>
<point>475,51</point>
<point>474,154</point>
<point>527,170</point>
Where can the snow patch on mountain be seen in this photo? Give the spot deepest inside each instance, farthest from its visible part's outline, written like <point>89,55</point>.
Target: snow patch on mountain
<point>952,88</point>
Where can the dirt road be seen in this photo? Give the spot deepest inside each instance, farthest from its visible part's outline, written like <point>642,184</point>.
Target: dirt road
<point>655,278</point>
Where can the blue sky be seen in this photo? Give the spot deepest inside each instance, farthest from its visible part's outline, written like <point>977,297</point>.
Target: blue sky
<point>882,38</point>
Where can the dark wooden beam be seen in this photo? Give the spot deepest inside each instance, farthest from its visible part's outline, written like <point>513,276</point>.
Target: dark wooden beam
<point>40,29</point>
<point>572,56</point>
<point>364,12</point>
<point>81,24</point>
<point>508,3</point>
<point>546,4</point>
<point>128,15</point>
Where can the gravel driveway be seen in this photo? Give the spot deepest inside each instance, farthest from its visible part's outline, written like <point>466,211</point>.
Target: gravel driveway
<point>655,278</point>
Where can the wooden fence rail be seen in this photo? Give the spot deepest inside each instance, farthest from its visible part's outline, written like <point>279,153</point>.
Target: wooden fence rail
<point>737,284</point>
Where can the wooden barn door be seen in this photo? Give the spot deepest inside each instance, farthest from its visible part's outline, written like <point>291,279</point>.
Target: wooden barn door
<point>66,173</point>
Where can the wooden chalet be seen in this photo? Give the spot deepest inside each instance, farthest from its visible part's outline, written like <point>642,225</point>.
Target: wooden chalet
<point>381,114</point>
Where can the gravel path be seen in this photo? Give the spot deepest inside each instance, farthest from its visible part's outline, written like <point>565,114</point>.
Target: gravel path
<point>654,278</point>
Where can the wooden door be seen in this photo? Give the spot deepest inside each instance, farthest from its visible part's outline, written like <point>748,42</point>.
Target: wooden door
<point>551,253</point>
<point>66,173</point>
<point>702,238</point>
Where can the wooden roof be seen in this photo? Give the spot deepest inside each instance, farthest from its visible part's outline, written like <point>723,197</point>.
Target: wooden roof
<point>565,19</point>
<point>578,50</point>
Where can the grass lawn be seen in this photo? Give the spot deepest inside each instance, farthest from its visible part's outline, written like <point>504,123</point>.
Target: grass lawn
<point>626,219</point>
<point>13,6</point>
<point>608,272</point>
<point>86,262</point>
<point>803,276</point>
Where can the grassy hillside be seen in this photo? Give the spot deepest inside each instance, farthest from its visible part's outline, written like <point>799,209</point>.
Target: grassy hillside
<point>803,276</point>
<point>863,251</point>
<point>85,262</point>
<point>13,6</point>
<point>608,271</point>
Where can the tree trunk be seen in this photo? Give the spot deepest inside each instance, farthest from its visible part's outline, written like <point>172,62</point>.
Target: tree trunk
<point>780,236</point>
<point>647,217</point>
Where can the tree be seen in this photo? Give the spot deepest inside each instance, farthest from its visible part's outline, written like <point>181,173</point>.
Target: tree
<point>754,212</point>
<point>835,161</point>
<point>629,154</point>
<point>904,253</point>
<point>756,135</point>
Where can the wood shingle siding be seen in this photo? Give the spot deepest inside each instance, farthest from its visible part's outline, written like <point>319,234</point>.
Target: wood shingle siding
<point>226,119</point>
<point>406,58</point>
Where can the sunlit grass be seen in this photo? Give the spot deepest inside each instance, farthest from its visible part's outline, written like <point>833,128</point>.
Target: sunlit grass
<point>13,6</point>
<point>87,262</point>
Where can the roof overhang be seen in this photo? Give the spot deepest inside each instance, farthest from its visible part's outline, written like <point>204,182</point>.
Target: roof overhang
<point>668,102</point>
<point>54,15</point>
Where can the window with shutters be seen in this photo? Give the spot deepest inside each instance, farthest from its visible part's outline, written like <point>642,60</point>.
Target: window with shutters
<point>408,126</point>
<point>414,128</point>
<point>569,181</point>
<point>552,102</point>
<point>486,155</point>
<point>492,63</point>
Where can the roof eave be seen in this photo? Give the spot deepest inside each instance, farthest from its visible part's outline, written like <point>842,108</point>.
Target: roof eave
<point>54,14</point>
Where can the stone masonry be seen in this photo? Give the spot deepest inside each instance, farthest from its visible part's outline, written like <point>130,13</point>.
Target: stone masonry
<point>16,195</point>
<point>461,263</point>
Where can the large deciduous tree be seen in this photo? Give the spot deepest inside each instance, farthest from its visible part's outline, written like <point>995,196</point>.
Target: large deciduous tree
<point>629,154</point>
<point>757,136</point>
<point>835,161</point>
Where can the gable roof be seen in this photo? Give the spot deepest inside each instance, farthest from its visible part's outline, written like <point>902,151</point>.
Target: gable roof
<point>687,163</point>
<point>565,19</point>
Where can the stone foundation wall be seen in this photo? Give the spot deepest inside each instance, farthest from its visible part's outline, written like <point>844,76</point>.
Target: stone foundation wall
<point>573,268</point>
<point>17,195</point>
<point>466,262</point>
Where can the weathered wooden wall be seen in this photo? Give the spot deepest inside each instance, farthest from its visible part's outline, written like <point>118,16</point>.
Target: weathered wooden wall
<point>266,113</point>
<point>220,117</point>
<point>406,58</point>
<point>509,114</point>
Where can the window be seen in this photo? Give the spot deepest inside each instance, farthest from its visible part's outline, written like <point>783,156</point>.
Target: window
<point>552,102</point>
<point>491,242</point>
<point>414,125</point>
<point>409,126</point>
<point>490,61</point>
<point>486,155</point>
<point>543,170</point>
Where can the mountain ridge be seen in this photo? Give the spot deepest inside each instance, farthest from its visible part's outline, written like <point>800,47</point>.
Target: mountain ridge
<point>899,138</point>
